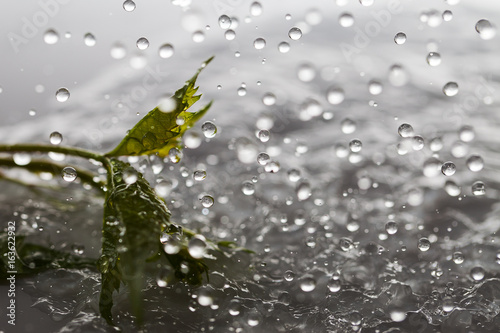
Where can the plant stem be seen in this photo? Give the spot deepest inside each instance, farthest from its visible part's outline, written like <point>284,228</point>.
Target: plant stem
<point>31,148</point>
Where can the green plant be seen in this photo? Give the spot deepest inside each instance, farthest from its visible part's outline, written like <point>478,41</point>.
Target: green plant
<point>134,216</point>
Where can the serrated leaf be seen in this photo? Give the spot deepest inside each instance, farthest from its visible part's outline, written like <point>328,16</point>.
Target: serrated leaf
<point>133,221</point>
<point>160,131</point>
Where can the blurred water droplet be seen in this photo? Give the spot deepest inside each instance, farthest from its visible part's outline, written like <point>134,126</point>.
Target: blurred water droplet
<point>452,188</point>
<point>207,201</point>
<point>293,175</point>
<point>269,99</point>
<point>234,307</point>
<point>448,168</point>
<point>307,284</point>
<point>475,163</point>
<point>128,5</point>
<point>142,43</point>
<point>192,140</point>
<point>400,38</point>
<point>348,126</point>
<point>166,51</point>
<point>417,143</point>
<point>248,188</point>
<point>62,95</point>
<point>335,95</point>
<point>447,15</point>
<point>424,244</point>
<point>209,129</point>
<point>197,247</point>
<point>478,188</point>
<point>55,138</point>
<point>224,22</point>
<point>283,47</point>
<point>69,174</point>
<point>259,43</point>
<point>398,76</point>
<point>466,133</point>
<point>303,191</point>
<point>50,37</point>
<point>366,3</point>
<point>21,158</point>
<point>306,72</point>
<point>346,20</point>
<point>198,36</point>
<point>294,33</point>
<point>433,59</point>
<point>398,315</point>
<point>89,39</point>
<point>450,89</point>
<point>118,51</point>
<point>405,130</point>
<point>256,9</point>
<point>375,87</point>
<point>485,29</point>
<point>130,176</point>
<point>230,34</point>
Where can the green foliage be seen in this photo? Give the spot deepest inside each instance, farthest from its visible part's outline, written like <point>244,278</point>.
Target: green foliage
<point>160,131</point>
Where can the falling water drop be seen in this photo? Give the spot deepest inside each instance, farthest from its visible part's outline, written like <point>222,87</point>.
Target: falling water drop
<point>207,201</point>
<point>89,39</point>
<point>62,95</point>
<point>294,33</point>
<point>69,174</point>
<point>433,59</point>
<point>50,37</point>
<point>485,29</point>
<point>209,129</point>
<point>55,138</point>
<point>400,38</point>
<point>129,5</point>
<point>259,43</point>
<point>142,43</point>
<point>166,51</point>
<point>224,22</point>
<point>450,89</point>
<point>475,163</point>
<point>448,168</point>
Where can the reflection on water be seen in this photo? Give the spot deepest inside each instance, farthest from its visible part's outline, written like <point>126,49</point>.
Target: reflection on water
<point>352,146</point>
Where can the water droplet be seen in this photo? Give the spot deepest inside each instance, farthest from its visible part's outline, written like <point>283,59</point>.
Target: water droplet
<point>130,176</point>
<point>263,158</point>
<point>55,138</point>
<point>209,129</point>
<point>398,315</point>
<point>50,37</point>
<point>458,258</point>
<point>269,99</point>
<point>366,3</point>
<point>69,174</point>
<point>405,130</point>
<point>355,145</point>
<point>348,126</point>
<point>391,227</point>
<point>62,95</point>
<point>254,318</point>
<point>283,47</point>
<point>450,89</point>
<point>199,175</point>
<point>433,59</point>
<point>375,87</point>
<point>303,191</point>
<point>417,143</point>
<point>264,135</point>
<point>478,188</point>
<point>398,76</point>
<point>32,112</point>
<point>293,175</point>
<point>234,307</point>
<point>307,284</point>
<point>477,273</point>
<point>205,298</point>
<point>230,34</point>
<point>448,168</point>
<point>255,9</point>
<point>466,133</point>
<point>452,188</point>
<point>294,33</point>
<point>400,38</point>
<point>259,43</point>
<point>485,29</point>
<point>335,95</point>
<point>142,43</point>
<point>197,247</point>
<point>475,163</point>
<point>346,20</point>
<point>174,155</point>
<point>21,158</point>
<point>166,51</point>
<point>289,276</point>
<point>118,51</point>
<point>224,22</point>
<point>242,91</point>
<point>192,140</point>
<point>128,5</point>
<point>459,149</point>
<point>424,244</point>
<point>306,72</point>
<point>198,36</point>
<point>89,39</point>
<point>207,201</point>
<point>334,285</point>
<point>447,15</point>
<point>346,244</point>
<point>272,167</point>
<point>248,188</point>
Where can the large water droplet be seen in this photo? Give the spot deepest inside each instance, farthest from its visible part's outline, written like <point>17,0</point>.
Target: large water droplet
<point>346,20</point>
<point>62,95</point>
<point>458,258</point>
<point>259,43</point>
<point>424,244</point>
<point>50,37</point>
<point>466,133</point>
<point>142,43</point>
<point>477,273</point>
<point>306,72</point>
<point>391,227</point>
<point>450,89</point>
<point>55,138</point>
<point>255,9</point>
<point>400,38</point>
<point>405,130</point>
<point>475,163</point>
<point>207,201</point>
<point>130,176</point>
<point>485,29</point>
<point>209,129</point>
<point>433,59</point>
<point>335,95</point>
<point>128,5</point>
<point>263,158</point>
<point>355,145</point>
<point>375,87</point>
<point>452,188</point>
<point>230,34</point>
<point>448,168</point>
<point>69,174</point>
<point>197,247</point>
<point>166,51</point>
<point>334,285</point>
<point>21,158</point>
<point>283,47</point>
<point>198,36</point>
<point>118,51</point>
<point>263,136</point>
<point>348,126</point>
<point>248,188</point>
<point>294,33</point>
<point>307,284</point>
<point>224,22</point>
<point>89,39</point>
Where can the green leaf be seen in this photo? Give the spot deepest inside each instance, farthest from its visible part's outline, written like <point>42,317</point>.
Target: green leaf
<point>159,131</point>
<point>133,220</point>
